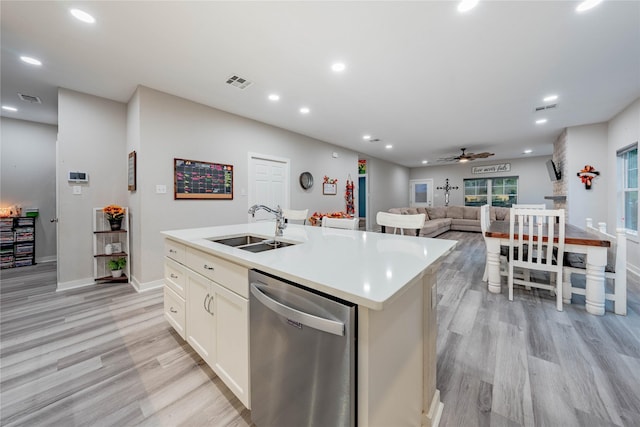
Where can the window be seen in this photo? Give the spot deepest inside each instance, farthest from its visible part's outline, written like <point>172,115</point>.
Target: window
<point>628,187</point>
<point>501,192</point>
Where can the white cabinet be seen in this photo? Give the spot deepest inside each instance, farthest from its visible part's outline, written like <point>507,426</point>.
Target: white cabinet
<point>216,322</point>
<point>200,316</point>
<point>110,244</point>
<point>232,341</point>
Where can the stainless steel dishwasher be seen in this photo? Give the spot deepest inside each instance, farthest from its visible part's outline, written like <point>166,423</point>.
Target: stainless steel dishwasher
<point>303,355</point>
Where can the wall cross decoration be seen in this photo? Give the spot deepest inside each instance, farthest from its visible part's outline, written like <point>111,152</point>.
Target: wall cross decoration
<point>447,188</point>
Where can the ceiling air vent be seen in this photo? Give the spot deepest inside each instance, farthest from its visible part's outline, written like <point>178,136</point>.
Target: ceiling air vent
<point>238,82</point>
<point>546,107</point>
<point>29,98</point>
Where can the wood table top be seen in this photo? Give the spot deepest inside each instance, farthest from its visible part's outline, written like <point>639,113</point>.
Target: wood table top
<point>573,235</point>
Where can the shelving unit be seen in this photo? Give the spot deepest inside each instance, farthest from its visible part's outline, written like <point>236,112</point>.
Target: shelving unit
<point>103,236</point>
<point>17,242</point>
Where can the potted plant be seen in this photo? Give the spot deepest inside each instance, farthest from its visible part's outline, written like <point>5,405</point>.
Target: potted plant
<point>116,265</point>
<point>114,214</point>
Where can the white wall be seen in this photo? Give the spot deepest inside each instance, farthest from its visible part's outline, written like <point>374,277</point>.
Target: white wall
<point>172,127</point>
<point>92,139</point>
<point>388,187</point>
<point>28,176</point>
<point>624,129</point>
<point>533,183</point>
<point>586,145</point>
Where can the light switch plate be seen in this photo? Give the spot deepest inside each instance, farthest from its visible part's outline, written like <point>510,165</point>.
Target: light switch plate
<point>161,189</point>
<point>77,189</point>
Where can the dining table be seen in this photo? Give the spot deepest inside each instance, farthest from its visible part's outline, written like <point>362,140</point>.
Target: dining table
<point>577,240</point>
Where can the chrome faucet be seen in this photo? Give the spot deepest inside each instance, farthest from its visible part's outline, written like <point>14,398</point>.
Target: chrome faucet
<point>280,221</point>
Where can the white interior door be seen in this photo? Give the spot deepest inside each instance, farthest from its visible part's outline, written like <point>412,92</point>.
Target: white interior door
<point>421,191</point>
<point>268,184</point>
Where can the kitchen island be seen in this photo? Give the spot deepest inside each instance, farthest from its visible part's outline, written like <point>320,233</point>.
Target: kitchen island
<point>391,279</point>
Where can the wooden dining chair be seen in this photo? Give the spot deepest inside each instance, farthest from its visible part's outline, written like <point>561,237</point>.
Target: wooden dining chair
<point>615,270</point>
<point>295,215</point>
<point>345,223</point>
<point>536,242</point>
<point>400,222</point>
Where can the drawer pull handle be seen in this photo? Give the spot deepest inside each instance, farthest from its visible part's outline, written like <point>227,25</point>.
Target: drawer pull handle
<point>173,276</point>
<point>173,310</point>
<point>173,251</point>
<point>206,267</point>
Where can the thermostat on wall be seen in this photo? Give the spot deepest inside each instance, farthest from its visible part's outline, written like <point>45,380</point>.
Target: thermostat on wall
<point>78,177</point>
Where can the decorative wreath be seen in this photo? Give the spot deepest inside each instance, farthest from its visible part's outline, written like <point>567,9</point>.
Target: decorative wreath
<point>587,174</point>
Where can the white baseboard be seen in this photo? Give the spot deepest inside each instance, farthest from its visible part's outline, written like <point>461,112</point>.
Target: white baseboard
<point>80,283</point>
<point>50,258</point>
<point>143,287</point>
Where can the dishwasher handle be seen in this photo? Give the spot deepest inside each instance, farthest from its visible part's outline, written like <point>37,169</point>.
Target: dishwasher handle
<point>315,322</point>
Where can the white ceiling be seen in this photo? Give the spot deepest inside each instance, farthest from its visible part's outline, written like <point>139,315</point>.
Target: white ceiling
<point>420,75</point>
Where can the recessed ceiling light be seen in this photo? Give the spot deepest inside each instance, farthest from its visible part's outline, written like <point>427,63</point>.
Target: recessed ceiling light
<point>30,60</point>
<point>366,137</point>
<point>274,97</point>
<point>550,98</point>
<point>338,67</point>
<point>541,121</point>
<point>304,110</point>
<point>587,4</point>
<point>467,5</point>
<point>424,162</point>
<point>83,16</point>
<point>388,146</point>
<point>9,108</point>
<point>528,151</point>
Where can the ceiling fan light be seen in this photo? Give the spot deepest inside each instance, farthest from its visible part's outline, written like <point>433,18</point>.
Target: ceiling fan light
<point>463,160</point>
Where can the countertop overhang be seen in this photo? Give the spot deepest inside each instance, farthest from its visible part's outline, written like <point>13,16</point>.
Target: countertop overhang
<point>362,267</point>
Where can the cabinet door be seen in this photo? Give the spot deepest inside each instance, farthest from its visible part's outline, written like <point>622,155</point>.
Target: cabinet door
<point>200,320</point>
<point>232,341</point>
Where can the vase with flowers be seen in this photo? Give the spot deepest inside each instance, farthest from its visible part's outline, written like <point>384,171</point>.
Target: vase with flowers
<point>114,214</point>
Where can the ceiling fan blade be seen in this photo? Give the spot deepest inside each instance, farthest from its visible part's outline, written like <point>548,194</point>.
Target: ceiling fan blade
<point>481,155</point>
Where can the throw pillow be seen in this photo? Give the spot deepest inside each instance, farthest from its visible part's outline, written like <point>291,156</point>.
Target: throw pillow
<point>471,212</point>
<point>437,212</point>
<point>455,212</point>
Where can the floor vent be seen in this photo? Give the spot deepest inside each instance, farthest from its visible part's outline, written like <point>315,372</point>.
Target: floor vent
<point>546,107</point>
<point>238,82</point>
<point>29,98</point>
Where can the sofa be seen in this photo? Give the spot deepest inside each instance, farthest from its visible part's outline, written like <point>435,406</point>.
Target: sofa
<point>439,219</point>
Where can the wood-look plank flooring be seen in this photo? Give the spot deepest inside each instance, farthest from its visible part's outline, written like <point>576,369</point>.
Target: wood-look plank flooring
<point>105,356</point>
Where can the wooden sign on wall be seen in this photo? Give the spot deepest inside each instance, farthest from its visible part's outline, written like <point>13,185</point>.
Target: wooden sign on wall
<point>502,167</point>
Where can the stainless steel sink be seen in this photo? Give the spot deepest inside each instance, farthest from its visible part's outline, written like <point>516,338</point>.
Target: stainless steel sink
<point>236,241</point>
<point>265,246</point>
<point>251,243</point>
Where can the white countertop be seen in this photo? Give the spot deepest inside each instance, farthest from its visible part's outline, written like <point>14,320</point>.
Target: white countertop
<point>365,268</point>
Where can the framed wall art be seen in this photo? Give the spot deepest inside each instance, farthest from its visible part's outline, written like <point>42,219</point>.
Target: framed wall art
<point>194,179</point>
<point>131,172</point>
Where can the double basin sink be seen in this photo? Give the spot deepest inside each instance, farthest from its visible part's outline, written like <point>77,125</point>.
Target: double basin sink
<point>252,243</point>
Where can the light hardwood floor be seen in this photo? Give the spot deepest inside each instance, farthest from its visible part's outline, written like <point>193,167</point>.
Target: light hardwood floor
<point>104,355</point>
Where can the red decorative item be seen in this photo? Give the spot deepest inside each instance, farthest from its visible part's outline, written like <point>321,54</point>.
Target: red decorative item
<point>348,196</point>
<point>587,174</point>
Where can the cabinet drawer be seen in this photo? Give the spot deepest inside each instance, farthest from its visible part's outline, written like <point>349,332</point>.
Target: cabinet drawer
<point>174,311</point>
<point>225,273</point>
<point>174,250</point>
<point>175,276</point>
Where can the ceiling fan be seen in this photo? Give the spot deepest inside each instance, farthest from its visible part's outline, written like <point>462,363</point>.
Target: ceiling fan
<point>466,157</point>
